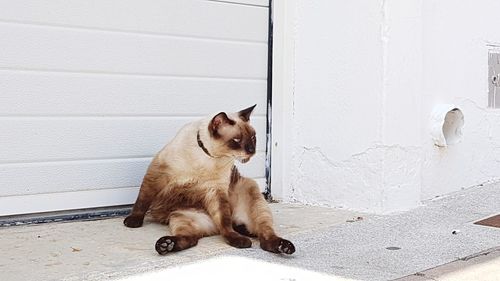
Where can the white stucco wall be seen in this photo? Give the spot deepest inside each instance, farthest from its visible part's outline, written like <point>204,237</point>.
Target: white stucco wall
<point>366,76</point>
<point>456,43</point>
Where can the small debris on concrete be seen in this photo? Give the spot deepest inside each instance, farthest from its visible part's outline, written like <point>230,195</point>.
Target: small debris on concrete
<point>455,232</point>
<point>355,219</point>
<point>75,249</point>
<point>393,248</point>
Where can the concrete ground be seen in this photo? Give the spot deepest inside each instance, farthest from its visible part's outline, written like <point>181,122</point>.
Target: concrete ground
<point>484,266</point>
<point>437,241</point>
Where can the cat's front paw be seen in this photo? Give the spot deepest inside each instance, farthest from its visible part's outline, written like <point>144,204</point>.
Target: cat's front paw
<point>133,221</point>
<point>278,245</point>
<point>236,240</point>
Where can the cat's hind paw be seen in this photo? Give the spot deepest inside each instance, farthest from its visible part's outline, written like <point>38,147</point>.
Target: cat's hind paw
<point>165,245</point>
<point>278,245</point>
<point>286,247</point>
<point>237,240</point>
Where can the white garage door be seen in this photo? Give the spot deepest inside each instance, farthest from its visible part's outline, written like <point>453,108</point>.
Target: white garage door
<point>90,90</point>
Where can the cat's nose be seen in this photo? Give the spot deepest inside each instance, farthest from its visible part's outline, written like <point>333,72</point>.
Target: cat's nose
<point>250,148</point>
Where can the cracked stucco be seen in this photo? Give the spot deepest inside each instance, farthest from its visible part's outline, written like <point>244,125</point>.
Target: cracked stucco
<point>372,179</point>
<point>363,92</point>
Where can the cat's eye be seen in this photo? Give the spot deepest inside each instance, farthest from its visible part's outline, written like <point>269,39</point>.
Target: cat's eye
<point>253,138</point>
<point>237,140</point>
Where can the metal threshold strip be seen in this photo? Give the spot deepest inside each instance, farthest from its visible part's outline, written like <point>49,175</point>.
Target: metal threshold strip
<point>66,216</point>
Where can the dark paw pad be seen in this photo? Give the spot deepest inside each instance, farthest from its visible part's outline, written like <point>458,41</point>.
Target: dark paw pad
<point>278,245</point>
<point>133,222</point>
<point>286,247</point>
<point>165,245</point>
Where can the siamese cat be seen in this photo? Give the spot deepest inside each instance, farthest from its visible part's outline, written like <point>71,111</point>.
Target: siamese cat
<point>193,186</point>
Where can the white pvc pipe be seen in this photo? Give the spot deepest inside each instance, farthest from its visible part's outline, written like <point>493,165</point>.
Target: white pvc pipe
<point>447,121</point>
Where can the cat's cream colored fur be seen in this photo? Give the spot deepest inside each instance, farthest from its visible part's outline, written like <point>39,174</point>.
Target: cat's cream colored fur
<point>193,185</point>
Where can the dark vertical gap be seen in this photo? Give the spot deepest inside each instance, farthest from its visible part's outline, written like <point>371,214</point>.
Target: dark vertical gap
<point>267,191</point>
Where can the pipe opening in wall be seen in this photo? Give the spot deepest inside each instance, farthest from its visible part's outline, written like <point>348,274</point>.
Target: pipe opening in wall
<point>452,126</point>
<point>447,121</point>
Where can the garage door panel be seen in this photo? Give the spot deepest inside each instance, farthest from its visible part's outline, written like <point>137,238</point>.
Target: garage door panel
<point>70,176</point>
<point>173,17</point>
<point>36,203</point>
<point>83,199</point>
<point>262,3</point>
<point>61,49</point>
<point>29,93</point>
<point>66,176</point>
<point>91,90</point>
<point>53,139</point>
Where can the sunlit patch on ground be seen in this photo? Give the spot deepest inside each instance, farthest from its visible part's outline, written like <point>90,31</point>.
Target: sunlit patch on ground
<point>234,268</point>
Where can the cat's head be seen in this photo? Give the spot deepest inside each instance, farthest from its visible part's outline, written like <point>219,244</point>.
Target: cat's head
<point>232,135</point>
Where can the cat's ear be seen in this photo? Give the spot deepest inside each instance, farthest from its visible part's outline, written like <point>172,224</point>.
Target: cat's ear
<point>219,121</point>
<point>245,113</point>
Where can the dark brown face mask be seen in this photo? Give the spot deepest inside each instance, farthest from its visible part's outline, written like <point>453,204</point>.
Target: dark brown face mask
<point>236,136</point>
